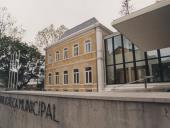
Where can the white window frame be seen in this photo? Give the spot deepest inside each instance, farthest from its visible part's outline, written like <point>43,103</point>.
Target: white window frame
<point>88,76</point>
<point>49,59</point>
<point>64,53</point>
<point>57,78</point>
<point>64,78</point>
<point>77,76</point>
<point>85,44</point>
<point>57,56</point>
<point>77,47</point>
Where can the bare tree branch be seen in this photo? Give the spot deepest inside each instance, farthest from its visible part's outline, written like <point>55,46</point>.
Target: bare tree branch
<point>49,35</point>
<point>126,7</point>
<point>8,25</point>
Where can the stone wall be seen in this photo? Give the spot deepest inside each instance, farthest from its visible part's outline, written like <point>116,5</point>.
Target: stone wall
<point>84,110</point>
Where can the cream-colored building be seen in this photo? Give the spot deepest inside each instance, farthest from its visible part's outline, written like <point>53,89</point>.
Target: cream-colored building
<point>75,62</point>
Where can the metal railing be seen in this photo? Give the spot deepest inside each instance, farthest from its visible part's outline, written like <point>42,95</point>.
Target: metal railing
<point>145,80</point>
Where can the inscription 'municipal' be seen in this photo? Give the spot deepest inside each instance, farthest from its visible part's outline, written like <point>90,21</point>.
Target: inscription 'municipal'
<point>37,108</point>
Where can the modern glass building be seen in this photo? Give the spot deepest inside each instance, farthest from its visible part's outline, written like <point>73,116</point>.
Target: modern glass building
<point>126,63</point>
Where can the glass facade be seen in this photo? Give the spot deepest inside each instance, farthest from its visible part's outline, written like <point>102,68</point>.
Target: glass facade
<point>126,63</point>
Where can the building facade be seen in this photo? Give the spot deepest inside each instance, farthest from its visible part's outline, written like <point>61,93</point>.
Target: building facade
<point>73,63</point>
<point>89,57</point>
<point>126,63</point>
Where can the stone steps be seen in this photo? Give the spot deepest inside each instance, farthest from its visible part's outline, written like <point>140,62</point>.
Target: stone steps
<point>138,88</point>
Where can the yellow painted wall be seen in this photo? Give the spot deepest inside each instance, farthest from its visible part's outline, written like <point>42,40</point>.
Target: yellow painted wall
<point>79,62</point>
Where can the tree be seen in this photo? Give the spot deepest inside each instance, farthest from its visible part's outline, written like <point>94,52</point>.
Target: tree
<point>30,60</point>
<point>49,35</point>
<point>8,25</point>
<point>10,42</point>
<point>126,7</point>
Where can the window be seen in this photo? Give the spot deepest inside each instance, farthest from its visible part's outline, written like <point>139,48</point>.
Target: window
<point>126,63</point>
<point>165,51</point>
<point>118,49</point>
<point>109,52</point>
<point>57,79</point>
<point>152,54</point>
<point>76,76</point>
<point>76,50</point>
<point>110,75</point>
<point>165,68</point>
<point>50,79</point>
<point>65,77</point>
<point>120,79</point>
<point>65,53</point>
<point>49,59</point>
<point>139,55</point>
<point>87,46</point>
<point>127,50</point>
<point>57,56</point>
<point>88,73</point>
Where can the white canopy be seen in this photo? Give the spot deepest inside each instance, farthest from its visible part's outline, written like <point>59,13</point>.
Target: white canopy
<point>148,28</point>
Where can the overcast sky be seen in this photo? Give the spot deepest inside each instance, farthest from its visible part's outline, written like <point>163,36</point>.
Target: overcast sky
<point>35,15</point>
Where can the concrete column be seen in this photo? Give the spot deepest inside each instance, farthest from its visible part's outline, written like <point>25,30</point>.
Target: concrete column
<point>100,59</point>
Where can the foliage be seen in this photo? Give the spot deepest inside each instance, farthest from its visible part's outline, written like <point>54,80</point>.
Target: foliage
<point>30,58</point>
<point>10,42</point>
<point>49,35</point>
<point>126,7</point>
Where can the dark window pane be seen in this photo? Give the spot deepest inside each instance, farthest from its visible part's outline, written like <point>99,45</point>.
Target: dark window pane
<point>118,49</point>
<point>90,77</point>
<point>109,51</point>
<point>88,68</point>
<point>65,72</point>
<point>120,74</point>
<point>74,78</point>
<point>127,50</point>
<point>76,70</point>
<point>154,70</point>
<point>110,75</point>
<point>166,68</point>
<point>77,78</point>
<point>87,77</point>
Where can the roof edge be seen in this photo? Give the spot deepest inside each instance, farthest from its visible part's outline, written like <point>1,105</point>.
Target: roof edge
<point>141,11</point>
<point>79,32</point>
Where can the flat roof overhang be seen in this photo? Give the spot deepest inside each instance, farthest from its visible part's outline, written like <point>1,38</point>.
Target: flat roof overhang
<point>148,28</point>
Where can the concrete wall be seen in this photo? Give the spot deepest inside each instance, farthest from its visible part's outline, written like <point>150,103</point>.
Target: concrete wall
<point>84,110</point>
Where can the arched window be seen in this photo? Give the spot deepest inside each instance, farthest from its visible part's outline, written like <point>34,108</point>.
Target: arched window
<point>76,50</point>
<point>57,78</point>
<point>49,59</point>
<point>88,75</point>
<point>65,77</point>
<point>57,55</point>
<point>65,53</point>
<point>87,46</point>
<point>76,76</point>
<point>50,79</point>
